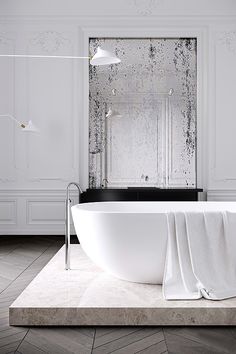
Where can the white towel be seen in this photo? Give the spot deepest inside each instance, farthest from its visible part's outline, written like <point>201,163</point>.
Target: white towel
<point>201,256</point>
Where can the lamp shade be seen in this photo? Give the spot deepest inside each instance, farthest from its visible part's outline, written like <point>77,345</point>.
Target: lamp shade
<point>104,57</point>
<point>29,128</point>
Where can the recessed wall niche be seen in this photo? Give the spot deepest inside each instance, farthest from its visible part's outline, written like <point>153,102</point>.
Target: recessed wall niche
<point>142,114</point>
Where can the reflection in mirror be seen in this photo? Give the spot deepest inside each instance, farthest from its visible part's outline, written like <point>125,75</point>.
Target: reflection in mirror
<point>142,122</point>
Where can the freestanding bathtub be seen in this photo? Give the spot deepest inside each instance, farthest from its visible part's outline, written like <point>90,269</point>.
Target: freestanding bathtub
<point>129,239</point>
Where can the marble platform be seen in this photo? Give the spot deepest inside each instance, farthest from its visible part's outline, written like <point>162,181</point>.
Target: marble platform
<point>86,295</point>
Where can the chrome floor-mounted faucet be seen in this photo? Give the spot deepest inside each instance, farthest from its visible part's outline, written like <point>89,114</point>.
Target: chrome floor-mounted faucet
<point>67,237</point>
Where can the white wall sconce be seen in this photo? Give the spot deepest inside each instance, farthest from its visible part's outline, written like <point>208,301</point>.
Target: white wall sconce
<point>29,127</point>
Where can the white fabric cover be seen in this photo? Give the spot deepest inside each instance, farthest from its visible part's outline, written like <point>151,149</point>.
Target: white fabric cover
<point>201,256</point>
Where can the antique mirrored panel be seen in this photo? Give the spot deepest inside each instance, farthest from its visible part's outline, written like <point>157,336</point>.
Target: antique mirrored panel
<point>142,114</point>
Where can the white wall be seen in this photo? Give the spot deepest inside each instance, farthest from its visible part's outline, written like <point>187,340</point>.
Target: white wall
<point>34,170</point>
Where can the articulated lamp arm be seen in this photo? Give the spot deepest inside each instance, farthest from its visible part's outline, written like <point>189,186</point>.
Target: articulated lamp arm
<point>13,118</point>
<point>101,57</point>
<point>42,56</point>
<point>30,127</point>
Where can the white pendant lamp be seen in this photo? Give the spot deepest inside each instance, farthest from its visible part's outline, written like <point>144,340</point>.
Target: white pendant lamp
<point>104,57</point>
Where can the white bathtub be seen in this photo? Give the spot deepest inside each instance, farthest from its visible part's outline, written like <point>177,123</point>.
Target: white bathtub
<point>129,239</point>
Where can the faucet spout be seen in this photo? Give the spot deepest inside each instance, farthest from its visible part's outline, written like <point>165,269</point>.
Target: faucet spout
<point>67,235</point>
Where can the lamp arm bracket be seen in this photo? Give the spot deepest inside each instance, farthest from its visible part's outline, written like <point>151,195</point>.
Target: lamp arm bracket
<point>12,118</point>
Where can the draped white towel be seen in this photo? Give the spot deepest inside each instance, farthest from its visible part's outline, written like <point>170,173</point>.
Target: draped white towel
<point>201,256</point>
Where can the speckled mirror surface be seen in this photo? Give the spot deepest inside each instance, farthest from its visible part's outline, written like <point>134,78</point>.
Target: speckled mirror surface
<point>143,113</point>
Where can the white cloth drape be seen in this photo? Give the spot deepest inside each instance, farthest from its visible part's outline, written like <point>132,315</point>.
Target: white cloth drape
<point>201,256</point>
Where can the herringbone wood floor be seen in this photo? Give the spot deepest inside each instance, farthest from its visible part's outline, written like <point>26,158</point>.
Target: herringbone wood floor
<point>21,258</point>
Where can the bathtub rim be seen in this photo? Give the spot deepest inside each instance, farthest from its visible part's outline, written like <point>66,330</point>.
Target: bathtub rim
<point>229,206</point>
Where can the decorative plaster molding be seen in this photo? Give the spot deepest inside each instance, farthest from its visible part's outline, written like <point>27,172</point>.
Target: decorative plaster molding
<point>43,204</point>
<point>228,38</point>
<point>221,195</point>
<point>146,7</point>
<point>4,39</point>
<point>12,219</point>
<point>21,192</point>
<point>7,180</point>
<point>49,41</point>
